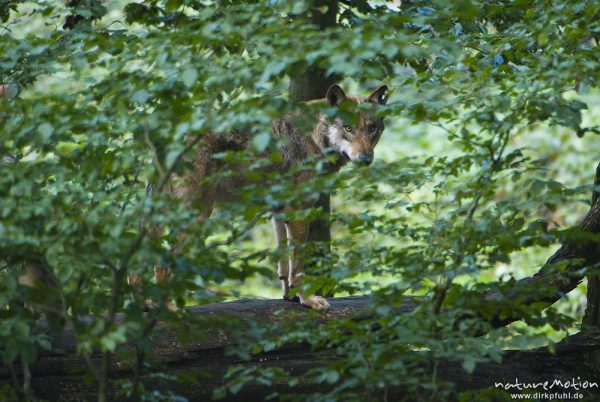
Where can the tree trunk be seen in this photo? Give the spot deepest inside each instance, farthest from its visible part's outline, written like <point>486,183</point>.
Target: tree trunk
<point>310,84</point>
<point>313,82</point>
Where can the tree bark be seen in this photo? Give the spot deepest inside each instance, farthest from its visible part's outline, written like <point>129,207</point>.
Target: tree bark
<point>591,319</point>
<point>592,312</point>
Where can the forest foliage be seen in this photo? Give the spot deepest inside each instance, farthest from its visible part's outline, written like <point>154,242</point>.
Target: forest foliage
<point>108,96</point>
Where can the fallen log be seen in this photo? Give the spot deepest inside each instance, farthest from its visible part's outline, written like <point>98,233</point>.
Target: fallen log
<point>59,375</point>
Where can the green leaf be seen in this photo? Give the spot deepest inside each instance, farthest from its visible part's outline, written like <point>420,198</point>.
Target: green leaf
<point>45,130</point>
<point>189,77</point>
<point>261,141</point>
<point>469,365</point>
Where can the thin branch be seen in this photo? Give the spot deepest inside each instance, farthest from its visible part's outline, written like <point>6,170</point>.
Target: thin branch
<point>15,382</point>
<point>453,134</point>
<point>240,234</point>
<point>26,377</point>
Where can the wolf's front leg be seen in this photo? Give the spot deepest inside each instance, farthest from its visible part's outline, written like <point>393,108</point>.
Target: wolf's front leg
<point>283,269</point>
<point>297,234</point>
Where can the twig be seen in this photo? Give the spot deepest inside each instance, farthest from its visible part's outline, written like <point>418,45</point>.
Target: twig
<point>26,377</point>
<point>15,381</point>
<point>241,233</point>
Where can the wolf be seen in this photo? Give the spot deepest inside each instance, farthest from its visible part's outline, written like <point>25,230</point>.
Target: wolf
<point>350,136</point>
<point>335,141</point>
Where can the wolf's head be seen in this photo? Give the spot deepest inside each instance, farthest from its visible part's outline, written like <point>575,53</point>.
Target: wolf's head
<point>355,134</point>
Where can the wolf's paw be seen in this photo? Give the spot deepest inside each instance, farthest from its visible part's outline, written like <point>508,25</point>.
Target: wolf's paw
<point>315,302</point>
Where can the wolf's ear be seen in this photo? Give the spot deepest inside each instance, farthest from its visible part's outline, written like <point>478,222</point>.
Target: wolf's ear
<point>335,95</point>
<point>379,95</point>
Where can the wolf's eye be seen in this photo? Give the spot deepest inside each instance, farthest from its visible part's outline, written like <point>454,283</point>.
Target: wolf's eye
<point>348,129</point>
<point>372,128</point>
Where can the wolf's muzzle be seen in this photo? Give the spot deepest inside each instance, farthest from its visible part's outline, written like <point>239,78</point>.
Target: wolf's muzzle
<point>365,158</point>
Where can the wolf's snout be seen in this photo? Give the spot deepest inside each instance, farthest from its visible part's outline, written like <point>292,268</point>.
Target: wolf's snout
<point>365,158</point>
